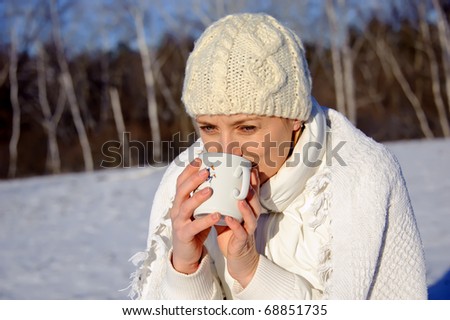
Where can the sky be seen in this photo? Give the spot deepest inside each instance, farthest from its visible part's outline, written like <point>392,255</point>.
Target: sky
<point>101,24</point>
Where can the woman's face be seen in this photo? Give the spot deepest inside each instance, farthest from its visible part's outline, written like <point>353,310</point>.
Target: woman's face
<point>266,141</point>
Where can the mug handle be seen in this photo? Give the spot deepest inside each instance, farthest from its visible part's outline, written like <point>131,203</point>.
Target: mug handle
<point>245,183</point>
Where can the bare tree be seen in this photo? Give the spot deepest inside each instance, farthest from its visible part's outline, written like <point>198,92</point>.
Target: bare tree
<point>152,107</point>
<point>373,95</point>
<point>336,57</point>
<point>118,119</point>
<point>444,39</point>
<point>342,60</point>
<point>51,120</point>
<point>390,62</point>
<point>14,96</point>
<point>168,94</point>
<point>204,18</point>
<point>105,78</point>
<point>182,33</point>
<point>434,71</point>
<point>209,11</point>
<point>347,62</point>
<point>67,83</point>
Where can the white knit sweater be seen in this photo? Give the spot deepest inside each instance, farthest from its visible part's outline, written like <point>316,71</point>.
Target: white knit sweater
<point>373,249</point>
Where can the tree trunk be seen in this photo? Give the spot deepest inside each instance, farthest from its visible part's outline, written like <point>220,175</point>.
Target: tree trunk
<point>14,96</point>
<point>349,80</point>
<point>49,122</point>
<point>336,58</point>
<point>434,71</point>
<point>444,39</point>
<point>67,83</point>
<point>384,52</point>
<point>149,83</point>
<point>120,124</point>
<point>183,118</point>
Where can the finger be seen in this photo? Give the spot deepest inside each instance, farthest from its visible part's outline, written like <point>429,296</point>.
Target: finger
<point>190,169</point>
<point>201,224</point>
<point>254,179</point>
<point>184,189</point>
<point>187,172</point>
<point>238,230</point>
<point>254,204</point>
<point>189,205</point>
<point>254,184</point>
<point>249,217</point>
<point>253,196</point>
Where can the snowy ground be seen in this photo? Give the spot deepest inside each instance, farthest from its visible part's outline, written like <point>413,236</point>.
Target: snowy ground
<point>70,236</point>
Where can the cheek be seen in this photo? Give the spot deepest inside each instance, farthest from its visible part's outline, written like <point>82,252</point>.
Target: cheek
<point>269,151</point>
<point>276,155</point>
<point>254,148</point>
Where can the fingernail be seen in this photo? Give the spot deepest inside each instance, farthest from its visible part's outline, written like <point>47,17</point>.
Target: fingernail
<point>203,172</point>
<point>196,162</point>
<point>230,219</point>
<point>205,190</point>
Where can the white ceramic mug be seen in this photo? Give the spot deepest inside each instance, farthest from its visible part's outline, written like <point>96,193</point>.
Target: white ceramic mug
<point>229,178</point>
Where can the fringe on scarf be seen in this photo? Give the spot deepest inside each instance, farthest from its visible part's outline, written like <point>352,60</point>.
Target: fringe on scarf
<point>137,277</point>
<point>150,265</point>
<point>317,190</point>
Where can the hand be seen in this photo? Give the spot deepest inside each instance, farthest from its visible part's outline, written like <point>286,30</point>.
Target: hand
<point>237,241</point>
<point>189,235</point>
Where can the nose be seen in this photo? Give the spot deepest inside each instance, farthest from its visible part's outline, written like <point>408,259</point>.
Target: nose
<point>230,145</point>
<point>236,150</point>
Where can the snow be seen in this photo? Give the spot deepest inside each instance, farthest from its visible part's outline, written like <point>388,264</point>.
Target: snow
<point>70,236</point>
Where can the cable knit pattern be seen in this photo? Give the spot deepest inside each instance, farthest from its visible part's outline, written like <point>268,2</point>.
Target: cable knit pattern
<point>374,249</point>
<point>248,63</point>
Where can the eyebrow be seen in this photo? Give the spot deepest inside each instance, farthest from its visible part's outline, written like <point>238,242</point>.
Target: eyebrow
<point>237,122</point>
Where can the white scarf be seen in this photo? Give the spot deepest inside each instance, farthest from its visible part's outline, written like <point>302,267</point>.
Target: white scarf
<point>295,236</point>
<point>289,182</point>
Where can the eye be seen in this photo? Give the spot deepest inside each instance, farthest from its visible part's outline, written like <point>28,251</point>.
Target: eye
<point>207,128</point>
<point>247,129</point>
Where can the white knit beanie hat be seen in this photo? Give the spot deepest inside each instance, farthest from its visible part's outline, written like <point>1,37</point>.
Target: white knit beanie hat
<point>250,64</point>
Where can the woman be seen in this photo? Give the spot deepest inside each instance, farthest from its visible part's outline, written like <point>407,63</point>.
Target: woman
<point>328,215</point>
